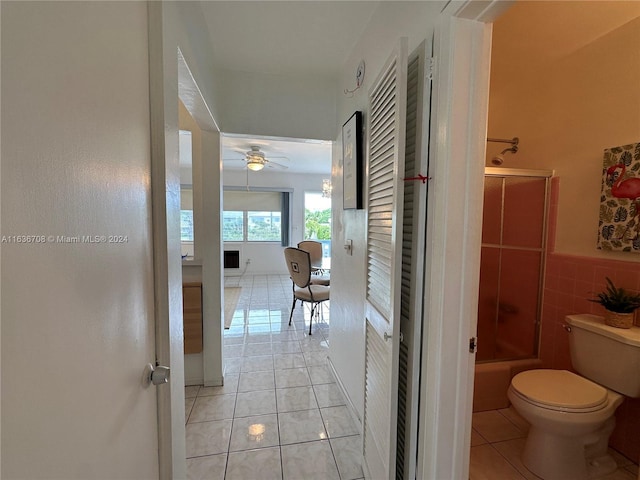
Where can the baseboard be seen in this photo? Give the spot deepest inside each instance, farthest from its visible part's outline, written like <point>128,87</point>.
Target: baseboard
<point>351,407</point>
<point>190,382</point>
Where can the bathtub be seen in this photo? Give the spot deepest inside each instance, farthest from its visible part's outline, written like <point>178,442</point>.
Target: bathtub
<point>492,380</point>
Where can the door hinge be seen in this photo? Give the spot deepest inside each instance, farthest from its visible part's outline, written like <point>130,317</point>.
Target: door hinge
<point>431,68</point>
<point>473,344</point>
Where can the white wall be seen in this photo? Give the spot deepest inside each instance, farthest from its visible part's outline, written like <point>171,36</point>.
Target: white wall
<point>391,20</point>
<point>77,318</point>
<point>278,105</point>
<point>269,257</point>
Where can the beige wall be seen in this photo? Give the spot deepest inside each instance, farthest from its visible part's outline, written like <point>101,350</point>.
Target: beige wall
<point>564,79</point>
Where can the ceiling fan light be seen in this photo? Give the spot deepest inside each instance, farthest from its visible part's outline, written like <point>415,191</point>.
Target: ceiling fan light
<point>255,165</point>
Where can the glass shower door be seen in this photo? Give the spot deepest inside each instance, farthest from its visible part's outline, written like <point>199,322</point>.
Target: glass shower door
<point>512,266</point>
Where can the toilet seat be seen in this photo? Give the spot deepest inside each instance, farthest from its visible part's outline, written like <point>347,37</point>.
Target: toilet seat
<point>559,390</point>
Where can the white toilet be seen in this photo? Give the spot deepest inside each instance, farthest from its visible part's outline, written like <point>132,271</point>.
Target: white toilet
<point>571,415</point>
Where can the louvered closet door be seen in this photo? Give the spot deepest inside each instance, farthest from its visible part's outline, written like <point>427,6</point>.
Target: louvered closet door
<point>385,170</point>
<point>413,247</point>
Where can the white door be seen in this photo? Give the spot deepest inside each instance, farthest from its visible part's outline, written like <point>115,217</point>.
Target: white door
<point>385,171</point>
<point>77,263</point>
<point>413,259</point>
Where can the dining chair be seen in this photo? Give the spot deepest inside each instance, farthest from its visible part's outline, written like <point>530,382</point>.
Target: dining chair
<point>299,266</point>
<point>319,276</point>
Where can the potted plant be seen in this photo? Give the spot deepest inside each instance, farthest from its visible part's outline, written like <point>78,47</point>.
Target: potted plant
<point>619,305</point>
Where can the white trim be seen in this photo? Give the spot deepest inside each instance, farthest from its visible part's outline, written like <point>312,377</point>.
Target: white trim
<point>170,78</point>
<point>520,172</point>
<point>165,182</point>
<point>462,47</point>
<point>350,406</point>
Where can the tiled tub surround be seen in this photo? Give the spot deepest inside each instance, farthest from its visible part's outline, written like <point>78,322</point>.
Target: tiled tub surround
<point>569,282</point>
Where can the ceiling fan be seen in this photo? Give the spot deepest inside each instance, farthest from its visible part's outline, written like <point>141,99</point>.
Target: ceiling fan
<point>256,160</point>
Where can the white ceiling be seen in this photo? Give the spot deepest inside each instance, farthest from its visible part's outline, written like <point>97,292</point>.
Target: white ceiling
<point>284,37</point>
<point>315,37</point>
<point>299,156</point>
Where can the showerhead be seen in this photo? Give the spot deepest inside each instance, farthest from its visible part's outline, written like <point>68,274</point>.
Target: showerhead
<point>498,159</point>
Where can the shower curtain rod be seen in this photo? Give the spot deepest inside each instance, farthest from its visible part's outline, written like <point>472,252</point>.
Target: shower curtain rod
<point>513,141</point>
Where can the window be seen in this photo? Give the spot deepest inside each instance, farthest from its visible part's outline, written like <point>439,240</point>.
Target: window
<point>263,226</point>
<point>317,220</point>
<point>186,225</point>
<point>232,226</point>
<point>256,216</point>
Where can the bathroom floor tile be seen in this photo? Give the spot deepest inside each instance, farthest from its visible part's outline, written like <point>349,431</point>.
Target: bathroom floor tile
<point>511,450</point>
<point>255,403</point>
<point>338,422</point>
<point>208,438</point>
<point>254,432</point>
<point>515,418</point>
<point>215,407</point>
<point>292,377</point>
<point>301,426</point>
<point>286,347</point>
<point>188,405</point>
<point>256,349</point>
<point>320,374</point>
<point>258,363</point>
<point>296,398</point>
<point>476,438</point>
<point>309,461</point>
<point>315,358</point>
<point>620,474</point>
<point>328,395</point>
<point>347,452</point>
<point>251,381</point>
<point>258,464</point>
<point>211,467</point>
<point>495,427</point>
<point>191,391</point>
<point>487,464</point>
<point>283,361</point>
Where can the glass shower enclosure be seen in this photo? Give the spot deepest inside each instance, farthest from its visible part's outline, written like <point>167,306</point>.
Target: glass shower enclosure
<point>514,240</point>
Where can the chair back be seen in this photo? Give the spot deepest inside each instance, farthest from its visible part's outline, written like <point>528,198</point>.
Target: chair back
<point>299,265</point>
<point>315,251</point>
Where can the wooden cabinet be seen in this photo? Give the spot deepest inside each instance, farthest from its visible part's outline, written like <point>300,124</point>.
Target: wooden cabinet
<point>192,316</point>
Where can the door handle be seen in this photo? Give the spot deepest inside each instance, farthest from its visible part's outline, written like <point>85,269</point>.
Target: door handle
<point>157,375</point>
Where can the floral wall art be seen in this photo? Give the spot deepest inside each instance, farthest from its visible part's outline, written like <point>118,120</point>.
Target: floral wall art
<point>619,227</point>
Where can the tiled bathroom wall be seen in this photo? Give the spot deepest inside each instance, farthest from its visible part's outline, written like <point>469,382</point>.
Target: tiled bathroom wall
<point>569,282</point>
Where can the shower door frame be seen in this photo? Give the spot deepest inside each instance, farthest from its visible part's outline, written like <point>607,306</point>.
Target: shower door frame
<point>526,173</point>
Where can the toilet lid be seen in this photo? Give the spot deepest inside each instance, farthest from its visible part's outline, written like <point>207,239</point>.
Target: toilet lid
<point>559,388</point>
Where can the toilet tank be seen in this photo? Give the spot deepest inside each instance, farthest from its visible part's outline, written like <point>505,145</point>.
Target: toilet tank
<point>607,355</point>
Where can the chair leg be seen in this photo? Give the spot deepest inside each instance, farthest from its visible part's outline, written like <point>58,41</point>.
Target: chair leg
<point>292,308</point>
<point>313,307</point>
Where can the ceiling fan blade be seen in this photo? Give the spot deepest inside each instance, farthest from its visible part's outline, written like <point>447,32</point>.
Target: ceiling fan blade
<point>271,164</point>
<point>229,160</point>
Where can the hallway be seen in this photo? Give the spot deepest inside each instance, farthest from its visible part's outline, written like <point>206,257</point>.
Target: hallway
<point>280,414</point>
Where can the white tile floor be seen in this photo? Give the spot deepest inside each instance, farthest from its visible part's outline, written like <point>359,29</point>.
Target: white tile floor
<point>280,414</point>
<point>497,440</point>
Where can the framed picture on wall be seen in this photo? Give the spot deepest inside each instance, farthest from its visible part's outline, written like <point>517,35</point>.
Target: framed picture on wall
<point>352,162</point>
